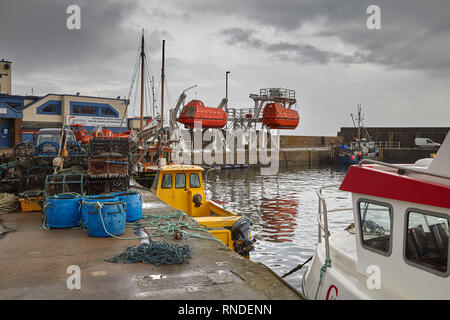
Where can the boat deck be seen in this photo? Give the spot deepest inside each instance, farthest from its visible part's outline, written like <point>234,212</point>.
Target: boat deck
<point>34,262</point>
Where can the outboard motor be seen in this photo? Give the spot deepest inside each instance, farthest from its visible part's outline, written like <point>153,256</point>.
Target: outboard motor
<point>240,234</point>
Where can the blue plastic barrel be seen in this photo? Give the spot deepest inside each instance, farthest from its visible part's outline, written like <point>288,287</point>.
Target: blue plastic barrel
<point>111,220</point>
<point>133,201</point>
<point>63,211</point>
<point>93,199</point>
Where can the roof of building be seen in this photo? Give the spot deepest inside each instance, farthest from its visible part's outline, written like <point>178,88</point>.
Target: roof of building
<point>37,99</point>
<point>10,112</point>
<point>16,96</point>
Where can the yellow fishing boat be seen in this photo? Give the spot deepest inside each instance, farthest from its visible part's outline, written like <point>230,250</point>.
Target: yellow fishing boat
<point>181,186</point>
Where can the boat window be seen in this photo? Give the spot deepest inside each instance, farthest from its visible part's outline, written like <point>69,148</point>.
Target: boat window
<point>427,241</point>
<point>194,180</point>
<point>166,182</point>
<point>180,181</point>
<point>190,111</point>
<point>155,181</point>
<point>376,224</point>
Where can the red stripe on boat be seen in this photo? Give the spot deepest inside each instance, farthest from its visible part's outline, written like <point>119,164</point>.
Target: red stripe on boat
<point>389,185</point>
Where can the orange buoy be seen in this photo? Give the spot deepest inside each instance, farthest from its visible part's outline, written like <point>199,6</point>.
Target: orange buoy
<point>275,116</point>
<point>196,111</point>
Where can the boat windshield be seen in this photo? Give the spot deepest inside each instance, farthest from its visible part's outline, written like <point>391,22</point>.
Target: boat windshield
<point>155,181</point>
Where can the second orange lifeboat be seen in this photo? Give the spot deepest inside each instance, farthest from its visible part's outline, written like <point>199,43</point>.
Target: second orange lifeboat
<point>276,116</point>
<point>196,111</point>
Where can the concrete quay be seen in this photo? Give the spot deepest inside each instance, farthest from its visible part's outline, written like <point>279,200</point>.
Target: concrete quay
<point>34,264</point>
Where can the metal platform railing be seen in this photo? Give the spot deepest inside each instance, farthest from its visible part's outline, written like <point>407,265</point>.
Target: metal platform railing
<point>277,93</point>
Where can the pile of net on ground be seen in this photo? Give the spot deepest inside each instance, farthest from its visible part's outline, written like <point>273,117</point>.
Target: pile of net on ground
<point>156,253</point>
<point>8,202</point>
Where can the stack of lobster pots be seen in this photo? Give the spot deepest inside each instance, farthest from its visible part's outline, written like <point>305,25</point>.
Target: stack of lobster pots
<point>108,165</point>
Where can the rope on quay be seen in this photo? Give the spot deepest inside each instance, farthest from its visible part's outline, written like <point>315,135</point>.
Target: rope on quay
<point>161,228</point>
<point>161,225</point>
<point>8,202</point>
<point>156,253</point>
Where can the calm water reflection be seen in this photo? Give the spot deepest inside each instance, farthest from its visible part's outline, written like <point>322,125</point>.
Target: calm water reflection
<point>283,210</point>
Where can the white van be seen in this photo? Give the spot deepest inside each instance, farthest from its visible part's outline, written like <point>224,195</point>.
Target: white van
<point>425,143</point>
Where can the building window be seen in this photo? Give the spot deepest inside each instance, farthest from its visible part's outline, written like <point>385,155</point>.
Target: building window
<point>426,242</point>
<point>109,112</point>
<point>84,110</point>
<point>194,180</point>
<point>92,109</point>
<point>166,182</point>
<point>50,107</point>
<point>180,181</point>
<point>375,225</point>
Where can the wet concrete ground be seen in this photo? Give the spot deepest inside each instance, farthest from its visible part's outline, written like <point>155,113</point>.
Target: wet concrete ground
<point>34,263</point>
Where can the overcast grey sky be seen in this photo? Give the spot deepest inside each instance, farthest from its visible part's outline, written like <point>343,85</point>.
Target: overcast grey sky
<point>320,48</point>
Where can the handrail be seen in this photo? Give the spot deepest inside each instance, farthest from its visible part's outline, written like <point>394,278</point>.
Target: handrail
<point>323,211</point>
<point>394,166</point>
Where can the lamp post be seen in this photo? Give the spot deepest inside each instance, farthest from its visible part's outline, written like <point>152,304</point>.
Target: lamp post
<point>226,88</point>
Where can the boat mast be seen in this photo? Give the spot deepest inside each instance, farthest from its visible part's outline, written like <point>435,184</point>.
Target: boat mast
<point>142,79</point>
<point>162,83</point>
<point>162,101</point>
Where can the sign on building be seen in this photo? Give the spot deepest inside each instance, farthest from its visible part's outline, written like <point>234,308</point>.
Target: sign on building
<point>97,121</point>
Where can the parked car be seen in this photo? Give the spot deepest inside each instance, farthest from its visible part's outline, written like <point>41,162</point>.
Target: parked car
<point>425,143</point>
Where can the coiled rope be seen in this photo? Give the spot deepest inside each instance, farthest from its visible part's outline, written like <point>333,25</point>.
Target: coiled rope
<point>156,253</point>
<point>161,226</point>
<point>8,202</point>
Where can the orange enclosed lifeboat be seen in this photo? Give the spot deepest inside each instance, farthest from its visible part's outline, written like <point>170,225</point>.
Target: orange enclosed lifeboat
<point>196,111</point>
<point>275,116</point>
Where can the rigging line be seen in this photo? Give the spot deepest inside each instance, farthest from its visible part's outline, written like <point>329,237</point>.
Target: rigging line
<point>148,91</point>
<point>136,67</point>
<point>133,77</point>
<point>149,76</point>
<point>149,95</point>
<point>169,96</point>
<point>158,88</point>
<point>135,97</point>
<point>149,66</point>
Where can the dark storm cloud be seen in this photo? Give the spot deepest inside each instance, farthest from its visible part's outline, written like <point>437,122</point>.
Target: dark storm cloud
<point>49,56</point>
<point>301,53</point>
<point>35,32</point>
<point>415,34</point>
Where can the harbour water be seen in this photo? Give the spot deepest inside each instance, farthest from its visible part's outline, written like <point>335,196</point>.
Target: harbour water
<point>283,209</point>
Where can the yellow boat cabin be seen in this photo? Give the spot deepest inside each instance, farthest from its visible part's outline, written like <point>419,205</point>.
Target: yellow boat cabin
<point>181,186</point>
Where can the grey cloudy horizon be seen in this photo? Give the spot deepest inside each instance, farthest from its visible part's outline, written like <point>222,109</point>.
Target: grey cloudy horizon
<point>321,48</point>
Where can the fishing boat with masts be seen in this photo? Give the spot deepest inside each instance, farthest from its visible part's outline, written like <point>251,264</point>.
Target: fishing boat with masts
<point>179,185</point>
<point>360,147</point>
